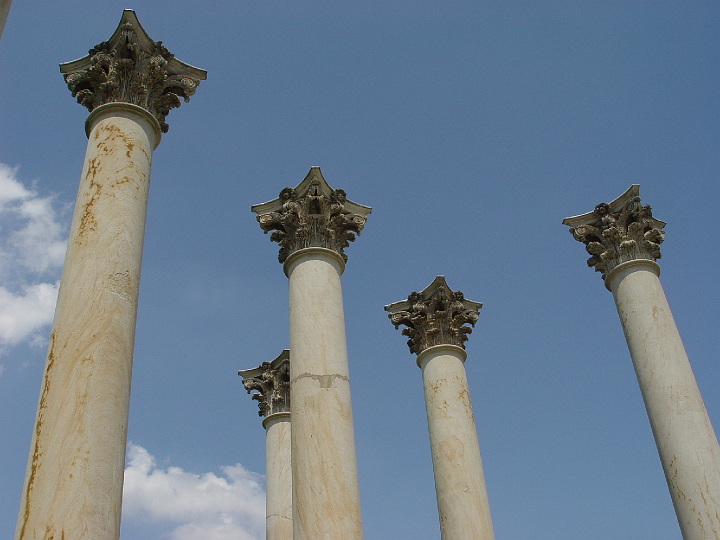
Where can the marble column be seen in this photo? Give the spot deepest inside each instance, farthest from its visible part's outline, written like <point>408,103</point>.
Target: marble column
<point>313,224</point>
<point>73,485</point>
<point>623,239</point>
<point>271,383</point>
<point>436,321</point>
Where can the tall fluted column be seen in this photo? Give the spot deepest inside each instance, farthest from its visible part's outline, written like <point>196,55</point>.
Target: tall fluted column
<point>271,382</point>
<point>436,322</point>
<point>313,224</point>
<point>73,485</point>
<point>624,241</point>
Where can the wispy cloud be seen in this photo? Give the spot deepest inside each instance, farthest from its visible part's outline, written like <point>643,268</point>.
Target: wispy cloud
<point>32,247</point>
<point>194,506</point>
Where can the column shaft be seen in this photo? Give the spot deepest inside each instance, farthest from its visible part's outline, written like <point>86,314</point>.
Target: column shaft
<point>326,503</point>
<point>683,433</point>
<point>459,480</point>
<point>4,9</point>
<point>278,475</point>
<point>73,485</point>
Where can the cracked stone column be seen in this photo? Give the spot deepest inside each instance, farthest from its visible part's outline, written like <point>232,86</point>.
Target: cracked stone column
<point>313,224</point>
<point>436,322</point>
<point>624,240</point>
<point>271,382</point>
<point>73,485</point>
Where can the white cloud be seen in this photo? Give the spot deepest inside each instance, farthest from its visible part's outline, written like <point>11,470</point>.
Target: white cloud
<point>194,506</point>
<point>23,315</point>
<point>32,248</point>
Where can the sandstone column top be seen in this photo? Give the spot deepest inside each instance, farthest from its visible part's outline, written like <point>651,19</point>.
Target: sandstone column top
<point>271,381</point>
<point>311,215</point>
<point>437,315</point>
<point>617,232</point>
<point>131,68</point>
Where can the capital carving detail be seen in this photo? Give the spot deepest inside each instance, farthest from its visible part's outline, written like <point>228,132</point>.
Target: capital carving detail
<point>435,316</point>
<point>131,68</point>
<point>311,215</point>
<point>271,382</point>
<point>617,232</point>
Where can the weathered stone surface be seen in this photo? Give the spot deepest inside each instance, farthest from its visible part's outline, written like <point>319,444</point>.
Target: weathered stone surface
<point>311,215</point>
<point>74,478</point>
<point>462,498</point>
<point>435,316</point>
<point>620,231</point>
<point>436,321</point>
<point>326,501</point>
<point>623,239</point>
<point>73,485</point>
<point>684,436</point>
<point>131,68</point>
<point>271,383</point>
<point>278,477</point>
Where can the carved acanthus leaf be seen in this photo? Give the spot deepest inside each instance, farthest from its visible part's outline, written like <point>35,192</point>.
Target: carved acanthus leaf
<point>617,232</point>
<point>271,383</point>
<point>435,316</point>
<point>311,215</point>
<point>131,68</point>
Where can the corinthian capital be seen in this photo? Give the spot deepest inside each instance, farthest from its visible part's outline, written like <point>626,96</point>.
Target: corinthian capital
<point>131,68</point>
<point>271,382</point>
<point>620,231</point>
<point>311,215</point>
<point>435,316</point>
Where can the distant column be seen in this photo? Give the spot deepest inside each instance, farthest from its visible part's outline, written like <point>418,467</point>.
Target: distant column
<point>271,381</point>
<point>436,322</point>
<point>73,485</point>
<point>313,224</point>
<point>624,241</point>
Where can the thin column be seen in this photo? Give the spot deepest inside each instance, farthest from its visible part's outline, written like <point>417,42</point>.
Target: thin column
<point>271,382</point>
<point>624,241</point>
<point>313,224</point>
<point>73,485</point>
<point>436,322</point>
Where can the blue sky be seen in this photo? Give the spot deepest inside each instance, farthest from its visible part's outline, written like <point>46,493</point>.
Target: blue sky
<point>472,129</point>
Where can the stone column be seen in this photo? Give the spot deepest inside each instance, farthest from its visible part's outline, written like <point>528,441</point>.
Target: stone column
<point>313,224</point>
<point>624,241</point>
<point>4,9</point>
<point>73,485</point>
<point>271,381</point>
<point>436,322</point>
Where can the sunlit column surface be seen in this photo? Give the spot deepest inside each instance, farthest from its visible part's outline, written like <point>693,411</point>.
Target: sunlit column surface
<point>624,241</point>
<point>313,224</point>
<point>271,383</point>
<point>436,322</point>
<point>73,485</point>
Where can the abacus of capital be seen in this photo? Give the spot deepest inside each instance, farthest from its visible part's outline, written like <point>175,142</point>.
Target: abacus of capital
<point>623,239</point>
<point>271,382</point>
<point>313,224</point>
<point>73,484</point>
<point>436,322</point>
